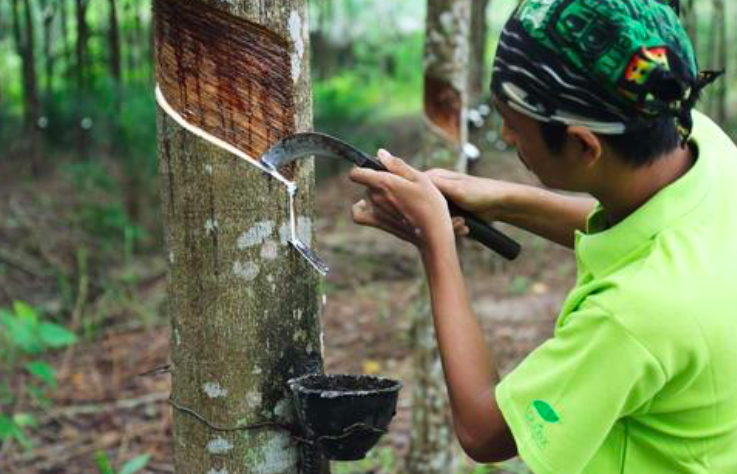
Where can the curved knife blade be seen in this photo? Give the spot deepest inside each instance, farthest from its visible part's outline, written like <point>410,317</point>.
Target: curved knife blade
<point>301,145</point>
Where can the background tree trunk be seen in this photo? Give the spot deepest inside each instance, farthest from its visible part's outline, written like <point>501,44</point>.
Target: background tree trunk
<point>243,305</point>
<point>82,37</point>
<point>26,50</point>
<point>114,45</point>
<point>478,80</point>
<point>691,21</point>
<point>446,103</point>
<point>720,62</point>
<point>48,13</point>
<point>64,30</point>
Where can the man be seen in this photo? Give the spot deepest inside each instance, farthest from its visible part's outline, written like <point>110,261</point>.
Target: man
<point>640,376</point>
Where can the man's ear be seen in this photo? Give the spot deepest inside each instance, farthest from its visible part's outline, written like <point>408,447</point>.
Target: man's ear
<point>587,144</point>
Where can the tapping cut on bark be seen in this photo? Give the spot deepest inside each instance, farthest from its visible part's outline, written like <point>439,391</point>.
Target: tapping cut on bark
<point>443,105</point>
<point>224,74</point>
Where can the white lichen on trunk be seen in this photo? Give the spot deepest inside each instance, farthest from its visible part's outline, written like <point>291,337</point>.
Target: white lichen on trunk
<point>214,390</point>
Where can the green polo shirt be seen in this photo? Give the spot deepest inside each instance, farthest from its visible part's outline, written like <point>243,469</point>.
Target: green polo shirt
<point>640,376</point>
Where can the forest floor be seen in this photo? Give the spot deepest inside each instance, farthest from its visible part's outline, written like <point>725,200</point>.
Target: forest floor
<point>103,403</point>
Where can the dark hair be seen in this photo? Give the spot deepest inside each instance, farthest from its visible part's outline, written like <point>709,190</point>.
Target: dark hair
<point>638,148</point>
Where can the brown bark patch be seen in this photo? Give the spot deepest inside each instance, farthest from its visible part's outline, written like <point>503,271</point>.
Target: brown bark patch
<point>443,106</point>
<point>226,75</point>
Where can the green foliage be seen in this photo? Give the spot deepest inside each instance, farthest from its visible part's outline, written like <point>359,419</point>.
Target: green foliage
<point>89,176</point>
<point>25,335</point>
<point>105,219</point>
<point>109,221</point>
<point>130,467</point>
<point>343,101</point>
<point>13,427</point>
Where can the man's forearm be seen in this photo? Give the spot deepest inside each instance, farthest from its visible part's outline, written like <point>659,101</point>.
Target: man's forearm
<point>469,367</point>
<point>550,215</point>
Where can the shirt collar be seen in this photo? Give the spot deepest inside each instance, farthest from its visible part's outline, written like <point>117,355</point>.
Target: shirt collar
<point>599,249</point>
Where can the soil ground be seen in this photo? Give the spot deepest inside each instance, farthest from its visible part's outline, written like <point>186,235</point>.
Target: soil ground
<point>103,403</point>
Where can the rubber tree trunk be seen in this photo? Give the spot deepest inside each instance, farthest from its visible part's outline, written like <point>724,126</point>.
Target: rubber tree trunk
<point>445,102</point>
<point>243,305</point>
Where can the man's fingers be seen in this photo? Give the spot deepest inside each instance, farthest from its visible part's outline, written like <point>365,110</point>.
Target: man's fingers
<point>397,165</point>
<point>361,214</point>
<point>366,177</point>
<point>446,181</point>
<point>459,226</point>
<point>364,214</point>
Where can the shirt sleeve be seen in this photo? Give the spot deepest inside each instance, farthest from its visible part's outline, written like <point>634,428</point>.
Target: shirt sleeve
<point>563,400</point>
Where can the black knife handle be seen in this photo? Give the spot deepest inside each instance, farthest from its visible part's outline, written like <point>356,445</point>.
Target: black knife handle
<point>479,230</point>
<point>485,234</point>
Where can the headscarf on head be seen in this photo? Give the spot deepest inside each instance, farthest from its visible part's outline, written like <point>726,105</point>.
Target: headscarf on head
<point>613,66</point>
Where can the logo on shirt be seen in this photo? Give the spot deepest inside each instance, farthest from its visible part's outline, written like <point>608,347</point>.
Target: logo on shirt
<point>539,415</point>
<point>545,411</point>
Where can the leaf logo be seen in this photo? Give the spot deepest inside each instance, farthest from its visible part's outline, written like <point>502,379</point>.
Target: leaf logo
<point>545,411</point>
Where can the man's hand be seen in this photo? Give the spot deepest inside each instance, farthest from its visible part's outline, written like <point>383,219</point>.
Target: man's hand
<point>484,197</point>
<point>553,216</point>
<point>405,203</point>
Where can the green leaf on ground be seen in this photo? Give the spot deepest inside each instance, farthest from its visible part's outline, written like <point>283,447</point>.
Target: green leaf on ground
<point>20,332</point>
<point>11,428</point>
<point>43,371</point>
<point>56,336</point>
<point>25,312</point>
<point>24,419</point>
<point>135,464</point>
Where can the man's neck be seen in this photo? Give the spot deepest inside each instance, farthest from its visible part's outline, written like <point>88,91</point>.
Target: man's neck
<point>625,189</point>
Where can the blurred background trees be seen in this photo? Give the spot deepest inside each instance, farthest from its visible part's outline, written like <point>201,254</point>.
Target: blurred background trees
<point>75,75</point>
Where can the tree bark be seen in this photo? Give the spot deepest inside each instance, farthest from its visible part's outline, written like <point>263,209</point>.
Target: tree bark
<point>243,305</point>
<point>24,39</point>
<point>446,102</point>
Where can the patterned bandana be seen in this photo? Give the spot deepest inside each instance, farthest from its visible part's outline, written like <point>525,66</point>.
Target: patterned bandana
<point>612,66</point>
